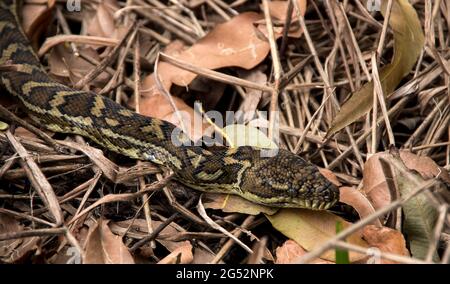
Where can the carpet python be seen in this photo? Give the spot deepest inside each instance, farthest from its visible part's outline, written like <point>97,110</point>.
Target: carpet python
<point>284,180</point>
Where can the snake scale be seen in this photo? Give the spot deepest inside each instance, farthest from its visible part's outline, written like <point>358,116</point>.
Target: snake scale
<point>284,180</point>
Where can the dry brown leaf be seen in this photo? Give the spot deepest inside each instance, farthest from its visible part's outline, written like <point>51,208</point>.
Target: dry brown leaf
<point>182,255</point>
<point>278,9</point>
<point>330,176</point>
<point>36,17</point>
<point>311,229</point>
<point>233,203</point>
<point>234,43</point>
<point>425,166</point>
<point>358,201</point>
<point>139,226</point>
<point>386,240</point>
<point>13,251</point>
<point>102,22</point>
<point>290,251</point>
<point>202,256</point>
<point>64,64</point>
<point>103,247</point>
<point>24,133</point>
<point>375,185</point>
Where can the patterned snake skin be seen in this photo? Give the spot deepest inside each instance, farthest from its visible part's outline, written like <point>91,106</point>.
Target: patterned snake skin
<point>284,180</point>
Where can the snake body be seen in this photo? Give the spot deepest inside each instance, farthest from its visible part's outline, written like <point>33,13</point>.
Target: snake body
<point>284,180</point>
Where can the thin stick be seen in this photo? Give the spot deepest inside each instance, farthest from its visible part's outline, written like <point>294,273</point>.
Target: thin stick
<point>276,70</point>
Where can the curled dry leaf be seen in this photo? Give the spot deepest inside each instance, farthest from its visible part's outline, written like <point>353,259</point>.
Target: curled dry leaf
<point>330,176</point>
<point>386,240</point>
<point>13,251</point>
<point>181,255</point>
<point>36,17</point>
<point>102,22</point>
<point>291,251</point>
<point>103,247</point>
<point>311,229</point>
<point>234,43</point>
<point>375,185</point>
<point>358,201</point>
<point>425,166</point>
<point>420,215</point>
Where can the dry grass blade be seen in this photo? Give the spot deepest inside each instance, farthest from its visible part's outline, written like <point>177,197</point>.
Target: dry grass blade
<point>214,225</point>
<point>39,181</point>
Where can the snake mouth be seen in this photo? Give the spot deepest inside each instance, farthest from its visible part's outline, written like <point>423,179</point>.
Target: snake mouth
<point>314,204</point>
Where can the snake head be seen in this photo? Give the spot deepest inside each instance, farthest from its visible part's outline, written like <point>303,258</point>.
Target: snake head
<point>286,180</point>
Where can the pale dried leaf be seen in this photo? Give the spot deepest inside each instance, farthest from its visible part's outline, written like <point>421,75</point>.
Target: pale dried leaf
<point>64,64</point>
<point>234,43</point>
<point>358,201</point>
<point>425,166</point>
<point>290,251</point>
<point>374,181</point>
<point>386,240</point>
<point>12,251</point>
<point>181,255</point>
<point>36,17</point>
<point>233,203</point>
<point>103,247</point>
<point>102,23</point>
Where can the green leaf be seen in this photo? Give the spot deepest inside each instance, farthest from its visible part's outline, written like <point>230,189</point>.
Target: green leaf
<point>420,218</point>
<point>341,254</point>
<point>408,43</point>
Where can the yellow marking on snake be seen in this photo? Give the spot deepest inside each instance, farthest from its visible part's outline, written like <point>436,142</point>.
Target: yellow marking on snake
<point>29,86</point>
<point>154,128</point>
<point>173,160</point>
<point>112,122</point>
<point>99,105</point>
<point>126,112</point>
<point>195,159</point>
<point>206,176</point>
